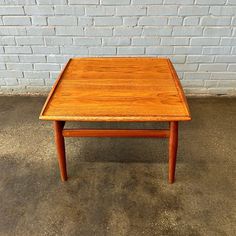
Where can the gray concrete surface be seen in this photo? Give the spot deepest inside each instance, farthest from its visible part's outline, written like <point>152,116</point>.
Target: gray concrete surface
<point>118,186</point>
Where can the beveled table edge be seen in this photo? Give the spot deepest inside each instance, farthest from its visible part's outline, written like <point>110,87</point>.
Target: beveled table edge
<point>119,118</point>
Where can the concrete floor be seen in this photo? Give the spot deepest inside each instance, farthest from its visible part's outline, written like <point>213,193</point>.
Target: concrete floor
<point>118,186</point>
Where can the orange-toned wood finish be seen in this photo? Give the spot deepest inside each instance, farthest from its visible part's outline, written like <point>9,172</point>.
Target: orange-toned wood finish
<point>115,133</point>
<point>117,89</point>
<point>60,144</point>
<point>173,145</point>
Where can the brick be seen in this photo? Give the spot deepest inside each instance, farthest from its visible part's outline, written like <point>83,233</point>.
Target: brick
<point>36,75</point>
<point>85,21</point>
<point>7,40</point>
<point>39,10</point>
<point>102,50</point>
<point>234,32</point>
<point>146,2</point>
<point>221,91</point>
<point>210,2</point>
<point>82,2</point>
<point>177,59</point>
<point>23,81</point>
<point>54,75</point>
<point>16,20</point>
<point>116,41</point>
<point>151,41</point>
<point>40,31</point>
<point>153,20</point>
<point>222,10</point>
<point>74,50</point>
<point>20,66</point>
<point>217,31</point>
<point>216,50</point>
<point>1,49</point>
<point>51,2</point>
<point>32,58</point>
<point>173,41</point>
<point>62,20</point>
<point>50,82</point>
<point>47,67</point>
<point>186,67</point>
<point>211,83</point>
<point>130,50</point>
<point>157,31</point>
<point>192,83</point>
<point>187,31</point>
<point>223,75</point>
<point>10,74</point>
<point>17,49</point>
<point>226,58</point>
<point>2,82</point>
<point>202,41</point>
<point>162,10</point>
<point>191,20</point>
<point>199,59</point>
<point>11,81</point>
<point>87,41</point>
<point>12,31</point>
<point>99,31</point>
<point>29,40</point>
<point>69,10</point>
<point>131,11</point>
<point>11,10</point>
<point>212,67</point>
<point>58,58</point>
<point>58,41</point>
<point>19,2</point>
<point>193,11</point>
<point>227,83</point>
<point>196,75</point>
<point>45,49</point>
<point>211,20</point>
<point>39,20</point>
<point>107,21</point>
<point>188,50</point>
<point>36,82</point>
<point>179,2</point>
<point>9,58</point>
<point>159,50</point>
<point>232,68</point>
<point>126,31</point>
<point>234,21</point>
<point>130,21</point>
<point>234,51</point>
<point>231,2</point>
<point>69,30</point>
<point>175,20</point>
<point>100,11</point>
<point>2,66</point>
<point>115,2</point>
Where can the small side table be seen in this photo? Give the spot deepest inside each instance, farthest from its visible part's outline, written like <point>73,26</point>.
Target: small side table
<point>117,90</point>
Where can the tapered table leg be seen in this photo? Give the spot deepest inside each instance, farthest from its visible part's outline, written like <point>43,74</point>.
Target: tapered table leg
<point>60,145</point>
<point>173,145</point>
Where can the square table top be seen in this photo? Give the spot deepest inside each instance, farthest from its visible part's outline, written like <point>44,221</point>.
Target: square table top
<point>117,89</point>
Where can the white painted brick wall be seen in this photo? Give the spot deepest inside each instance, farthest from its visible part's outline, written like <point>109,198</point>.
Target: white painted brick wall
<point>37,37</point>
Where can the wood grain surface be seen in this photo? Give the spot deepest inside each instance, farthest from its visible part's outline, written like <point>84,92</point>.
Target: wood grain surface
<point>117,89</point>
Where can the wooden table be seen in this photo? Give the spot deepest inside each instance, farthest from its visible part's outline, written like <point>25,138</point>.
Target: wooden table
<point>116,90</point>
